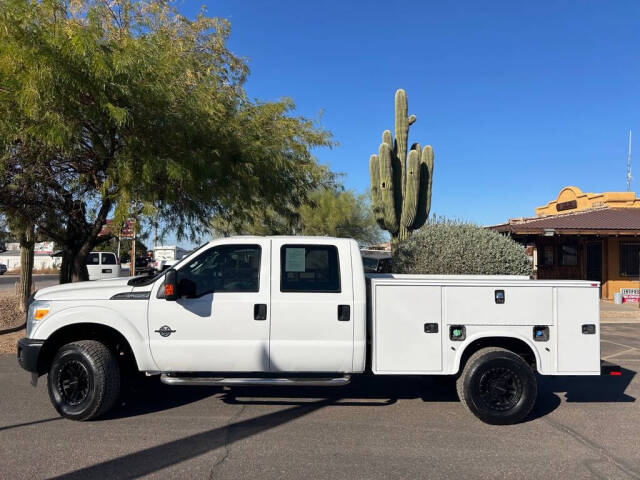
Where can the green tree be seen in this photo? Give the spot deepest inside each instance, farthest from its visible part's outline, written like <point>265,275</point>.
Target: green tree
<point>445,246</point>
<point>340,214</point>
<point>128,109</point>
<point>330,211</point>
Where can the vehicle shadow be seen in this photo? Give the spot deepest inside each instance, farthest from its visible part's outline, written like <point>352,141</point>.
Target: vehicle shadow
<point>151,396</point>
<point>371,390</point>
<point>587,389</point>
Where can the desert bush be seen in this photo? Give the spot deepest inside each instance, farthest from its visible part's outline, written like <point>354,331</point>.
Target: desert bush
<point>444,246</point>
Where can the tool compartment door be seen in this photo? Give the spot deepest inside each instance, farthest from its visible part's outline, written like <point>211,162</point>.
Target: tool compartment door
<point>408,329</point>
<point>578,350</point>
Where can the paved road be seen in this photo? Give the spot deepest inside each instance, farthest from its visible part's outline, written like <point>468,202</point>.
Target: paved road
<point>375,428</point>
<point>7,282</point>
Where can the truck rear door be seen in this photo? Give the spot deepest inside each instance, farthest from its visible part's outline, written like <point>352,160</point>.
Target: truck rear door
<point>311,306</point>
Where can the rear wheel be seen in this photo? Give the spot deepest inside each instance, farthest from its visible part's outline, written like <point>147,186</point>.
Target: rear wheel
<point>84,380</point>
<point>497,386</point>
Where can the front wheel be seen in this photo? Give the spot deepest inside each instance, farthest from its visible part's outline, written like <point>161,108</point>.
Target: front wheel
<point>497,386</point>
<point>84,380</point>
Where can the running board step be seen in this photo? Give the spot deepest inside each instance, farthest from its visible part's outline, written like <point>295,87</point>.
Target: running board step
<point>258,381</point>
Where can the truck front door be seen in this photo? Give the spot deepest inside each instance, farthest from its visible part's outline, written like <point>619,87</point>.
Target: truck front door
<point>311,307</point>
<point>221,322</point>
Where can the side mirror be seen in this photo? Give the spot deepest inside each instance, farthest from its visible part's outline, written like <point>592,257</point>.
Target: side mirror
<point>171,285</point>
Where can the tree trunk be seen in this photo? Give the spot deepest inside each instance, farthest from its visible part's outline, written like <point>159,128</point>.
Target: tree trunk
<point>80,272</point>
<point>74,265</point>
<point>66,268</point>
<point>27,243</point>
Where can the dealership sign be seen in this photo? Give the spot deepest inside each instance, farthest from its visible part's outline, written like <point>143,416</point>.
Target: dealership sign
<point>126,231</point>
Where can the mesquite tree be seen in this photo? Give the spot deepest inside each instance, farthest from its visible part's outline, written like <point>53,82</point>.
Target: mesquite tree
<point>400,179</point>
<point>127,109</point>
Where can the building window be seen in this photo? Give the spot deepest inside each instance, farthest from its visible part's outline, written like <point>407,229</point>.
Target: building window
<point>568,255</point>
<point>629,259</point>
<point>547,256</point>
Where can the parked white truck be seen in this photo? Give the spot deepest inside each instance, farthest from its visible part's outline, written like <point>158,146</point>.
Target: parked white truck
<point>300,311</point>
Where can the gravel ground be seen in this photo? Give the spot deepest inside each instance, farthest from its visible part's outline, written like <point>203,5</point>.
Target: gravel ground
<point>10,315</point>
<point>8,341</point>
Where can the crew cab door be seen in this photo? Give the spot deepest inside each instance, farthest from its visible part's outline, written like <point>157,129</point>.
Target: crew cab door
<point>221,322</point>
<point>311,306</point>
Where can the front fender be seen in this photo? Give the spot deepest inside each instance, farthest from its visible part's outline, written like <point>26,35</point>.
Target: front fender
<point>134,332</point>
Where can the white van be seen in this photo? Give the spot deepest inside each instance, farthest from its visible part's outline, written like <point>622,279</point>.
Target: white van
<point>103,265</point>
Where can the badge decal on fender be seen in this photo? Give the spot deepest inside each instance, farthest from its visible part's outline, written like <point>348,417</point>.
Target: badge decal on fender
<point>165,331</point>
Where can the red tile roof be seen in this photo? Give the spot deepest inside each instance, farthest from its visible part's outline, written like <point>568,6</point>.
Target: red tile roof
<point>624,220</point>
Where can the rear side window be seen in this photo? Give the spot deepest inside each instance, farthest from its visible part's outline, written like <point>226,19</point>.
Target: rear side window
<point>309,268</point>
<point>108,258</point>
<point>93,259</point>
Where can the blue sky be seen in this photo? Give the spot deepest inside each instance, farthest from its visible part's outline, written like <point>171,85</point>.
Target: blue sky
<point>518,99</point>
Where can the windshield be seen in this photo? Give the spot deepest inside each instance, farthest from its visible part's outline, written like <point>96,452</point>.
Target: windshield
<point>148,280</point>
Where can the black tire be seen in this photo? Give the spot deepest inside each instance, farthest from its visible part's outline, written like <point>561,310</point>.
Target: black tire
<point>497,386</point>
<point>84,380</point>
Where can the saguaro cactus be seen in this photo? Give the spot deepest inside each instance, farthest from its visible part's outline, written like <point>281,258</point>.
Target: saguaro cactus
<point>401,182</point>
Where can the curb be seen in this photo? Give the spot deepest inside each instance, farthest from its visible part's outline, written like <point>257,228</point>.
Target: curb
<point>629,320</point>
<point>13,329</point>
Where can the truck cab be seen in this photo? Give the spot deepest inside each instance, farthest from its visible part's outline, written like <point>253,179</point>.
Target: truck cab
<point>272,305</point>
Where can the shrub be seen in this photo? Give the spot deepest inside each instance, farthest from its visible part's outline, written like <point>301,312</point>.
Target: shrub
<point>444,246</point>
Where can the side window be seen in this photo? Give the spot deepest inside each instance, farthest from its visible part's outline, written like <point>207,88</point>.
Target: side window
<point>228,268</point>
<point>309,268</point>
<point>108,259</point>
<point>93,259</point>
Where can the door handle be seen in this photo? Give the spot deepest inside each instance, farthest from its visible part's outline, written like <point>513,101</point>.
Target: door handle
<point>260,311</point>
<point>344,313</point>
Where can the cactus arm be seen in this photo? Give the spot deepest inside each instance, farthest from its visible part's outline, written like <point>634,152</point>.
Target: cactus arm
<point>376,200</point>
<point>402,125</point>
<point>386,138</point>
<point>412,190</point>
<point>387,190</point>
<point>426,177</point>
<point>430,165</point>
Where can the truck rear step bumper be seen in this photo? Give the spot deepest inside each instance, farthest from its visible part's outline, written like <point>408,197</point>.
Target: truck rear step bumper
<point>229,382</point>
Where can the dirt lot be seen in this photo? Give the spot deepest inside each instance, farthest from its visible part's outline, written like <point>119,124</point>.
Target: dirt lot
<point>10,315</point>
<point>8,341</point>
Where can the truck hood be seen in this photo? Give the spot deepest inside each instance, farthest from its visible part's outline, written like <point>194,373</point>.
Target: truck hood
<point>93,290</point>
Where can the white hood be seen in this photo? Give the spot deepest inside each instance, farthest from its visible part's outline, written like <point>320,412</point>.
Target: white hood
<point>93,290</point>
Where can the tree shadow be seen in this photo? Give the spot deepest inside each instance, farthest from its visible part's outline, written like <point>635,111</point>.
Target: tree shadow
<point>150,460</point>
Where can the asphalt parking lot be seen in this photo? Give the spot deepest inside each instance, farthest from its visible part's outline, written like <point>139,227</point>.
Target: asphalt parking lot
<point>8,282</point>
<point>582,427</point>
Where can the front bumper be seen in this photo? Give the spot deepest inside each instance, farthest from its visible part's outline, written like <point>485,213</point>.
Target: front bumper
<point>28,353</point>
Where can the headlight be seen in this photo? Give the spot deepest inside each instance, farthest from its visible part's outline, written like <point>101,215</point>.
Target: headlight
<point>38,310</point>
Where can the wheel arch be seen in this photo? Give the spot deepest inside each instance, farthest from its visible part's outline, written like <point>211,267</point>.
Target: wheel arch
<point>105,334</point>
<point>512,342</point>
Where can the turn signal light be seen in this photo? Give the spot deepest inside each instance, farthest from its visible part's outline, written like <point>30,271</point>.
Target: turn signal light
<point>168,289</point>
<point>40,313</point>
<point>615,373</point>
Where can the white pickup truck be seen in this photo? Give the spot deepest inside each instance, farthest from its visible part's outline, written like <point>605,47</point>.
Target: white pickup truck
<point>300,311</point>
